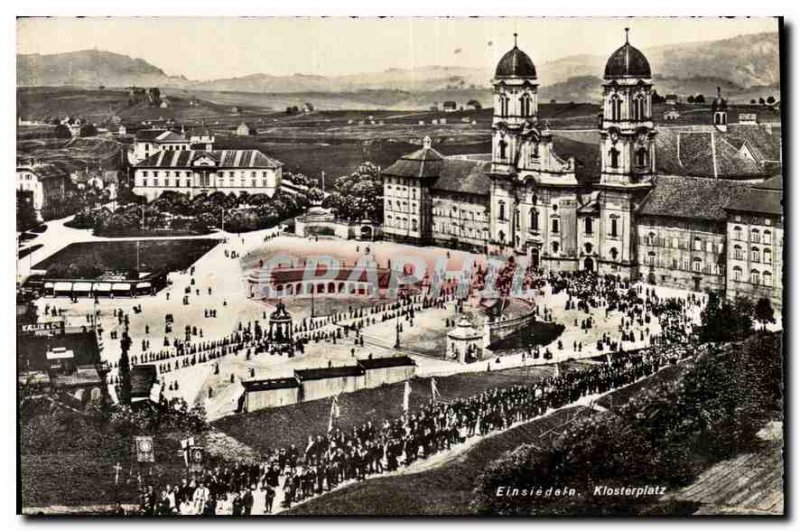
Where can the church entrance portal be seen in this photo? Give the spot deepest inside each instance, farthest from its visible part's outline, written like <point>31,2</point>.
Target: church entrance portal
<point>588,264</point>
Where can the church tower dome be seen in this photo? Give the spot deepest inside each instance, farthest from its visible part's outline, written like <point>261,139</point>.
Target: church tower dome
<point>515,63</point>
<point>627,62</point>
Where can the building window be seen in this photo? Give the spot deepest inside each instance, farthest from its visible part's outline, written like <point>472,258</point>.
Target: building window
<point>555,247</point>
<point>755,278</point>
<point>613,155</point>
<point>737,252</point>
<point>587,226</point>
<point>737,274</point>
<point>414,224</point>
<point>554,225</point>
<point>616,108</point>
<point>613,227</point>
<point>588,248</point>
<point>754,236</point>
<point>502,146</point>
<point>639,108</point>
<point>525,105</point>
<point>767,256</point>
<point>767,237</point>
<point>698,244</point>
<point>614,253</point>
<point>737,233</point>
<point>651,238</point>
<point>767,278</point>
<point>641,158</point>
<point>503,100</point>
<point>651,258</point>
<point>501,211</point>
<point>697,265</point>
<point>755,256</point>
<point>534,214</point>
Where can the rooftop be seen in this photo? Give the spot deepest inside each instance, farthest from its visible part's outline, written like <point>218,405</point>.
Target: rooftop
<point>692,197</point>
<point>226,158</point>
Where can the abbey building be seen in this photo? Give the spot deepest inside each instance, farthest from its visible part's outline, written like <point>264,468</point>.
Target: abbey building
<point>607,204</point>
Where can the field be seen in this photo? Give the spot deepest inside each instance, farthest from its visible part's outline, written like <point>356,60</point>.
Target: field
<point>271,428</point>
<point>154,255</point>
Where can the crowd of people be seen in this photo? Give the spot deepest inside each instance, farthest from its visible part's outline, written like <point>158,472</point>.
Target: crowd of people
<point>291,475</point>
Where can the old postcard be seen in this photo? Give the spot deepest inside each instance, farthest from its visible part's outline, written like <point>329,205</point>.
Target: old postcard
<point>399,266</point>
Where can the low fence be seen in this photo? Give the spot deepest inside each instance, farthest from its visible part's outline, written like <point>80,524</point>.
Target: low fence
<point>313,384</point>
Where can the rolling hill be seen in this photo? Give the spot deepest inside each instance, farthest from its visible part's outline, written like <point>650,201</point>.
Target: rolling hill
<point>745,66</point>
<point>90,68</point>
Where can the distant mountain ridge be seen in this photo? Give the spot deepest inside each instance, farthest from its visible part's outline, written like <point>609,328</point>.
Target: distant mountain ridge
<point>737,64</point>
<point>90,68</point>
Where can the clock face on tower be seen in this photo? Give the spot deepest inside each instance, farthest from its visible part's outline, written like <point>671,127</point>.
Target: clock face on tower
<point>614,136</point>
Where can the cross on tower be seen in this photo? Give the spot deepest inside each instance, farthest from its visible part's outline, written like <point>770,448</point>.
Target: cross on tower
<point>626,35</point>
<point>515,40</point>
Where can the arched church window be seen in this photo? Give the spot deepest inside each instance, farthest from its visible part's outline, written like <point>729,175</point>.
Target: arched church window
<point>503,105</point>
<point>535,150</point>
<point>613,227</point>
<point>614,253</point>
<point>587,225</point>
<point>641,158</point>
<point>502,146</point>
<point>525,105</point>
<point>501,210</point>
<point>616,108</point>
<point>554,225</point>
<point>554,246</point>
<point>534,215</point>
<point>639,108</point>
<point>613,155</point>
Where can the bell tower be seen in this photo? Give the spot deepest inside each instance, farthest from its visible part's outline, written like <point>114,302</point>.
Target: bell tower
<point>627,154</point>
<point>515,90</point>
<point>627,132</point>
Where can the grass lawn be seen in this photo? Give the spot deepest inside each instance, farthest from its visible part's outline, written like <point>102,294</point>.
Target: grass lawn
<point>86,476</point>
<point>154,255</point>
<point>271,428</point>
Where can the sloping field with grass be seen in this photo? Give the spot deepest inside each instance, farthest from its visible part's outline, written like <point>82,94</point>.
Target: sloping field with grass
<point>276,427</point>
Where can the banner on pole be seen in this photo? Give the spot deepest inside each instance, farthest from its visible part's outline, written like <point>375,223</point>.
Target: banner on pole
<point>143,446</point>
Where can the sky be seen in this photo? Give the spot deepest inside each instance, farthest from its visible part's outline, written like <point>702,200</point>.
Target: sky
<point>213,48</point>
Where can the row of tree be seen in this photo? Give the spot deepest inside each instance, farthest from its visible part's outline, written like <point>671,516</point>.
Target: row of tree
<point>666,434</point>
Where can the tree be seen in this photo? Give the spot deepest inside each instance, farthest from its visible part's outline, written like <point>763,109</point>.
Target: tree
<point>700,99</point>
<point>771,100</point>
<point>658,98</point>
<point>761,101</point>
<point>62,131</point>
<point>88,130</point>
<point>764,313</point>
<point>26,215</point>
<point>690,99</point>
<point>753,101</point>
<point>125,370</point>
<point>726,320</point>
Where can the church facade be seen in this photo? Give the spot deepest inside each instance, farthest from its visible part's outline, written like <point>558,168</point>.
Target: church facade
<point>567,205</point>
